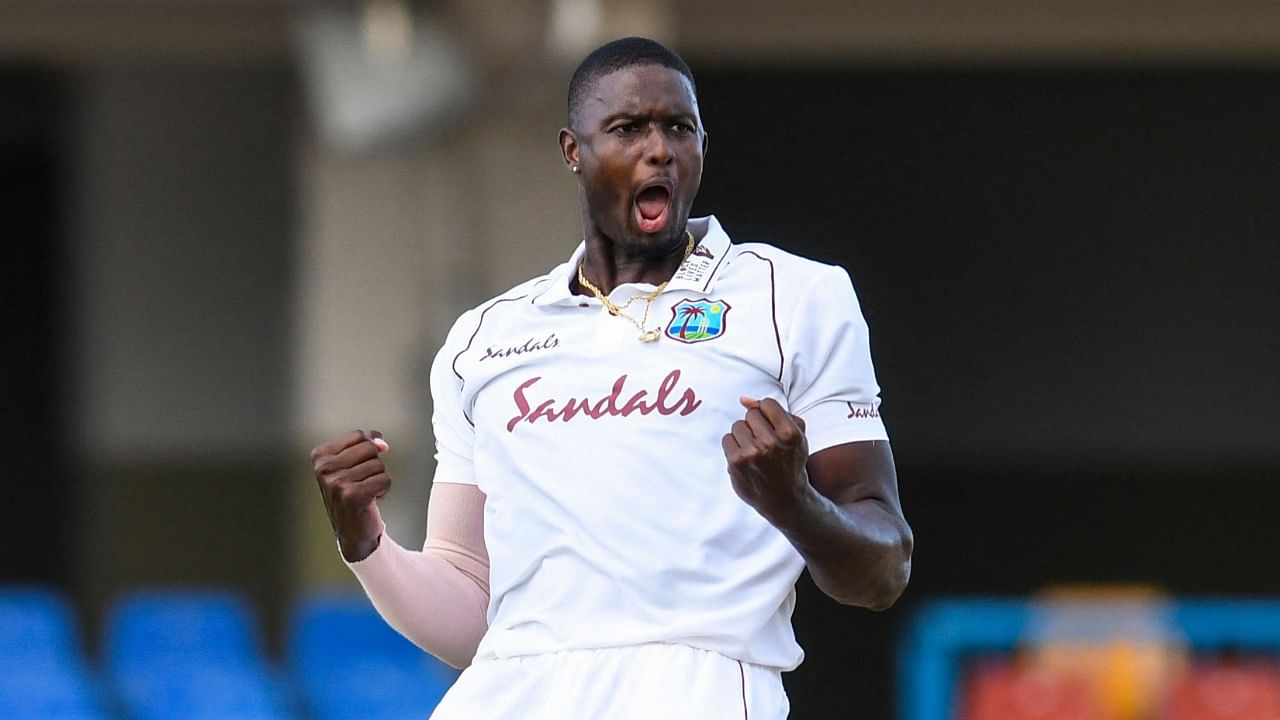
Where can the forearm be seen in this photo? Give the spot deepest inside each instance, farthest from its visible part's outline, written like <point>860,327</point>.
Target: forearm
<point>427,598</point>
<point>859,552</point>
<point>439,597</point>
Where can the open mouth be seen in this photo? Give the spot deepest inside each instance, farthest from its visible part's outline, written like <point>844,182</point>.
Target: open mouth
<point>652,206</point>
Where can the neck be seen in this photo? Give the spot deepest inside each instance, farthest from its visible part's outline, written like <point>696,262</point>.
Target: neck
<point>607,264</point>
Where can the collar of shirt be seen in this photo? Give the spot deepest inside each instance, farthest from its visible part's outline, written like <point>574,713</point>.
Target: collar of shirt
<point>697,273</point>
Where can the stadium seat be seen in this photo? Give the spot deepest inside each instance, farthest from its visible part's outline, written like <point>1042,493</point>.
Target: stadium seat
<point>202,692</point>
<point>1219,691</point>
<point>156,627</point>
<point>43,675</point>
<point>350,665</point>
<point>190,655</point>
<point>1004,691</point>
<point>37,627</point>
<point>52,692</point>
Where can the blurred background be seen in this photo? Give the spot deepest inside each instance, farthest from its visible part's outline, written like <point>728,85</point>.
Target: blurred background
<point>234,228</point>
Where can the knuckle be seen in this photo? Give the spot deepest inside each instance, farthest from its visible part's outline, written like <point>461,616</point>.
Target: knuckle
<point>345,493</point>
<point>329,466</point>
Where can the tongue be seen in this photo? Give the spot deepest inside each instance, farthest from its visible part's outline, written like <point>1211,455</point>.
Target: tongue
<point>651,202</point>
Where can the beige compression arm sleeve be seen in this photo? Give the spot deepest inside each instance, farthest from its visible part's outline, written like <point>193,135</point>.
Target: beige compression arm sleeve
<point>439,597</point>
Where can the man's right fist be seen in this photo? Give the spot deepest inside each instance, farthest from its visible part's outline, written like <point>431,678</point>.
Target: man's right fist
<point>352,477</point>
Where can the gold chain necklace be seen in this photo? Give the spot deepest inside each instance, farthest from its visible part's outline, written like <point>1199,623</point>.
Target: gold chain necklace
<point>651,334</point>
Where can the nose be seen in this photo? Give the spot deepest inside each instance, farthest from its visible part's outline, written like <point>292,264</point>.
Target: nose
<point>657,148</point>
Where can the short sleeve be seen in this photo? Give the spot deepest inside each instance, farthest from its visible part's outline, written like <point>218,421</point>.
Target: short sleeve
<point>455,436</point>
<point>831,382</point>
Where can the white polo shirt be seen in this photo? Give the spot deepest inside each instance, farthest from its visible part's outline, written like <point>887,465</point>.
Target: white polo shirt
<point>610,517</point>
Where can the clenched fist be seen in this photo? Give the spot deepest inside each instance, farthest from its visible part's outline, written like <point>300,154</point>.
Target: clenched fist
<point>767,452</point>
<point>352,477</point>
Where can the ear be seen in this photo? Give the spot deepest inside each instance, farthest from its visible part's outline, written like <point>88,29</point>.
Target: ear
<point>705,144</point>
<point>569,148</point>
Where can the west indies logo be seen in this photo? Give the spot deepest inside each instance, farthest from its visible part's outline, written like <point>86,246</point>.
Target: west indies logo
<point>697,320</point>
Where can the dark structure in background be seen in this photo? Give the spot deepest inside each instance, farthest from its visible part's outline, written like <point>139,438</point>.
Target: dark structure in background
<point>190,332</point>
<point>1070,279</point>
<point>34,531</point>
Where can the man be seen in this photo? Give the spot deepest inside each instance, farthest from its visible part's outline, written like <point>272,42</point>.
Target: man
<point>639,451</point>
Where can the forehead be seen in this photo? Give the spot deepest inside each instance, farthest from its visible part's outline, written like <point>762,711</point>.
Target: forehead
<point>640,89</point>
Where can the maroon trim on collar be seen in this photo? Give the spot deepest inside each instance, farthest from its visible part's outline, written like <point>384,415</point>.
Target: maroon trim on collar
<point>712,275</point>
<point>534,294</point>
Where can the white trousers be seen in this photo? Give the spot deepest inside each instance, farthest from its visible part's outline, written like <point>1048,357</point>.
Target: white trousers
<point>637,682</point>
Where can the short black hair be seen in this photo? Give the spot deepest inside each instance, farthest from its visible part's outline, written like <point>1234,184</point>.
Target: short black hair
<point>615,55</point>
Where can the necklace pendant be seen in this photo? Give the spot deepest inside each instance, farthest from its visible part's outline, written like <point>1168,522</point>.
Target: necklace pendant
<point>649,336</point>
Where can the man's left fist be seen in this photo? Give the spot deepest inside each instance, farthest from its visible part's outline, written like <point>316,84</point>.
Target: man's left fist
<point>767,452</point>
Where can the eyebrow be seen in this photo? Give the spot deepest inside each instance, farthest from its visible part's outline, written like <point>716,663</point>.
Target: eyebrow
<point>679,115</point>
